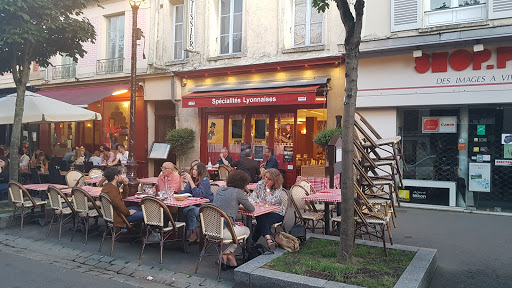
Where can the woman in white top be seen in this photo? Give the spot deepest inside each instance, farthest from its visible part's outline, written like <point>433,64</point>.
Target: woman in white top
<point>122,156</point>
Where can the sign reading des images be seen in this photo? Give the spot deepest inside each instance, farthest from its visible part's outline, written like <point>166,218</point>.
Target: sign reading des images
<point>443,124</point>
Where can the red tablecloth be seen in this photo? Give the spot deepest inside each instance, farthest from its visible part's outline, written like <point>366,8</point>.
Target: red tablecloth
<point>320,183</point>
<point>150,180</point>
<point>323,197</point>
<point>331,191</point>
<point>185,203</point>
<point>260,210</point>
<point>93,180</point>
<point>93,191</point>
<point>42,187</point>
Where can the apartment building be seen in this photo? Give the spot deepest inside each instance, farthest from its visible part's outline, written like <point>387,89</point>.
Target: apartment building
<point>437,73</point>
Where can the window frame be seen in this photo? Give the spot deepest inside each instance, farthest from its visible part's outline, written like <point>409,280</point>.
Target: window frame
<point>231,27</point>
<point>184,54</point>
<point>119,53</point>
<point>307,36</point>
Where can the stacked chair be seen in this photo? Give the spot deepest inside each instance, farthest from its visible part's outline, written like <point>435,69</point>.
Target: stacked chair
<point>378,175</point>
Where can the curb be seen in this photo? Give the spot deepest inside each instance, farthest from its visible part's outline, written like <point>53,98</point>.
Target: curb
<point>418,274</point>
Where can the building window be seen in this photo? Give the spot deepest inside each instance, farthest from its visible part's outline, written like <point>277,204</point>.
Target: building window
<point>447,12</point>
<point>307,24</point>
<point>230,26</point>
<point>115,37</point>
<point>179,52</point>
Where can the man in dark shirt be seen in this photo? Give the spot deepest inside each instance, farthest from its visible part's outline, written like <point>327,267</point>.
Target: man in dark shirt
<point>271,159</point>
<point>248,165</point>
<point>224,158</point>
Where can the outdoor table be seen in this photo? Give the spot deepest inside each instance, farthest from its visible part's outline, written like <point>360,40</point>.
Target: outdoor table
<point>320,183</point>
<point>92,190</point>
<point>92,181</point>
<point>150,180</point>
<point>42,187</point>
<point>327,198</point>
<point>259,210</point>
<point>330,191</point>
<point>190,201</point>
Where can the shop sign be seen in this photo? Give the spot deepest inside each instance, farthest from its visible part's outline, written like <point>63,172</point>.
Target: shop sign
<point>460,60</point>
<point>425,195</point>
<point>445,124</point>
<point>502,162</point>
<point>259,100</point>
<point>191,25</point>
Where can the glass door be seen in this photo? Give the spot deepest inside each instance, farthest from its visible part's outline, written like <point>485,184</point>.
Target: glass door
<point>259,134</point>
<point>236,135</point>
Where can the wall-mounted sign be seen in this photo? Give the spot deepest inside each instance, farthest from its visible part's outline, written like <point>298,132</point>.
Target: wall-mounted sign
<point>425,195</point>
<point>507,151</point>
<point>502,162</point>
<point>257,100</point>
<point>480,177</point>
<point>159,151</point>
<point>506,138</point>
<point>288,154</point>
<point>258,152</point>
<point>444,124</point>
<point>191,26</point>
<point>480,130</point>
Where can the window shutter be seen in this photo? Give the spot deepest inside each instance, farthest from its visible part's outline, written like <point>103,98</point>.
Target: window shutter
<point>500,9</point>
<point>406,15</point>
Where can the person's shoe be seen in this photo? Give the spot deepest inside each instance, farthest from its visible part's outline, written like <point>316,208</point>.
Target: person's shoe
<point>271,244</point>
<point>194,238</point>
<point>225,267</point>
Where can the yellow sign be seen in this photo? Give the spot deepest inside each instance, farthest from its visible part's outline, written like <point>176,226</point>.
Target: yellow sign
<point>404,195</point>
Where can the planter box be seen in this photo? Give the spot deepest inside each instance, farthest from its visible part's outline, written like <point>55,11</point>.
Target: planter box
<point>418,274</point>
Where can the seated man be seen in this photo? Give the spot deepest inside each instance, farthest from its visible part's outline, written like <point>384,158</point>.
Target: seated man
<point>224,158</point>
<point>133,213</point>
<point>271,161</point>
<point>248,165</point>
<point>169,178</point>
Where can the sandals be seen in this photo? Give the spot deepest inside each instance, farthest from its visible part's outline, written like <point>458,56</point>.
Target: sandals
<point>271,244</point>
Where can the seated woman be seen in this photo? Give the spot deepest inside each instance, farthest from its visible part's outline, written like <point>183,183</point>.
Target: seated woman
<point>269,191</point>
<point>229,199</point>
<point>41,162</point>
<point>4,174</point>
<point>197,184</point>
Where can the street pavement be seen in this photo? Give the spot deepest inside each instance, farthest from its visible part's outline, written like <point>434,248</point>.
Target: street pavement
<point>473,251</point>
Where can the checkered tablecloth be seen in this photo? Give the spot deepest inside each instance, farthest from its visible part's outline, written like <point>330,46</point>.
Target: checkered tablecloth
<point>42,187</point>
<point>330,191</point>
<point>93,180</point>
<point>260,210</point>
<point>323,197</point>
<point>150,180</point>
<point>93,191</point>
<point>185,203</point>
<point>252,186</point>
<point>320,183</point>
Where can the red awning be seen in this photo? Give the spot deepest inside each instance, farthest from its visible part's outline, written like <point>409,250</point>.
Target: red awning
<point>253,97</point>
<point>84,96</point>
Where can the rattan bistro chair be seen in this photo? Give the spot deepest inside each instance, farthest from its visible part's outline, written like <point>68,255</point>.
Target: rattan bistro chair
<point>155,214</point>
<point>214,221</point>
<point>303,214</point>
<point>22,200</point>
<point>223,172</point>
<point>108,216</point>
<point>96,172</point>
<point>86,209</point>
<point>63,213</point>
<point>75,178</point>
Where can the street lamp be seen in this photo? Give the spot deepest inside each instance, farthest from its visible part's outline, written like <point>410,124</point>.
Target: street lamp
<point>131,166</point>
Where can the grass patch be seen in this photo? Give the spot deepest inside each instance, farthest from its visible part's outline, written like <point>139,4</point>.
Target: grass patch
<point>370,268</point>
<point>5,211</point>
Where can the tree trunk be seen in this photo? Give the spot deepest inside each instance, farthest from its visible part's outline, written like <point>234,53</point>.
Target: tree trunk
<point>21,77</point>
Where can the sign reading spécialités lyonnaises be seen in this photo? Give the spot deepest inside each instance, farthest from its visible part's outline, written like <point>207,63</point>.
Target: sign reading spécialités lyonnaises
<point>443,124</point>
<point>259,100</point>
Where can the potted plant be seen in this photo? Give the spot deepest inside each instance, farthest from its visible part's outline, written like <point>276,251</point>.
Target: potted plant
<point>181,141</point>
<point>323,137</point>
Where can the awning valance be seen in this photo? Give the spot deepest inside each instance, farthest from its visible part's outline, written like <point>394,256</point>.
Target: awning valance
<point>85,95</point>
<point>254,97</point>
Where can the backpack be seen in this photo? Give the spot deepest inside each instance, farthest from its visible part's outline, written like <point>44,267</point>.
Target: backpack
<point>287,241</point>
<point>255,251</point>
<point>299,232</point>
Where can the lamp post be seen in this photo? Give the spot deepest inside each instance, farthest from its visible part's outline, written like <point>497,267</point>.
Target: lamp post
<point>131,166</point>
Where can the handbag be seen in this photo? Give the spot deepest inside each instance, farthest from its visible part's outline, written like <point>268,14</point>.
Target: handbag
<point>255,251</point>
<point>287,241</point>
<point>299,232</point>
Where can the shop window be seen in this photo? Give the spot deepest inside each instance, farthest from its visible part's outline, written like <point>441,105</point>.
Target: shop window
<point>179,52</point>
<point>260,129</point>
<point>283,138</point>
<point>308,24</point>
<point>215,136</point>
<point>230,26</point>
<point>236,135</point>
<point>117,123</point>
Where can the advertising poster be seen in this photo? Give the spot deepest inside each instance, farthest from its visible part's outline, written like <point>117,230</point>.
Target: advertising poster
<point>480,177</point>
<point>480,130</point>
<point>288,154</point>
<point>444,124</point>
<point>507,151</point>
<point>506,138</point>
<point>425,195</point>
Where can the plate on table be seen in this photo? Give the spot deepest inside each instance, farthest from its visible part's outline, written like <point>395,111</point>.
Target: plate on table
<point>141,196</point>
<point>181,197</point>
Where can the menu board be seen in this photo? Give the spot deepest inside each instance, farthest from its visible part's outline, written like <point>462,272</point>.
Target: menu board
<point>159,151</point>
<point>288,154</point>
<point>258,152</point>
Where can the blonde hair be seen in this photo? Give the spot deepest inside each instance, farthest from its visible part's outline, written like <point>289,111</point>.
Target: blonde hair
<point>276,178</point>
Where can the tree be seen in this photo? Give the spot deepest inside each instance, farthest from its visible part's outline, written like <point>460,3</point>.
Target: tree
<point>181,141</point>
<point>352,17</point>
<point>35,31</point>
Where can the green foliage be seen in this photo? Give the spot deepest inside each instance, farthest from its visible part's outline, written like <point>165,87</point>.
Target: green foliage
<point>371,269</point>
<point>181,140</point>
<point>321,5</point>
<point>323,137</point>
<point>36,30</point>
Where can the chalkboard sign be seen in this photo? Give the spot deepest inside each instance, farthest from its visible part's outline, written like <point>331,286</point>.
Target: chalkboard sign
<point>159,151</point>
<point>288,154</point>
<point>258,152</point>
